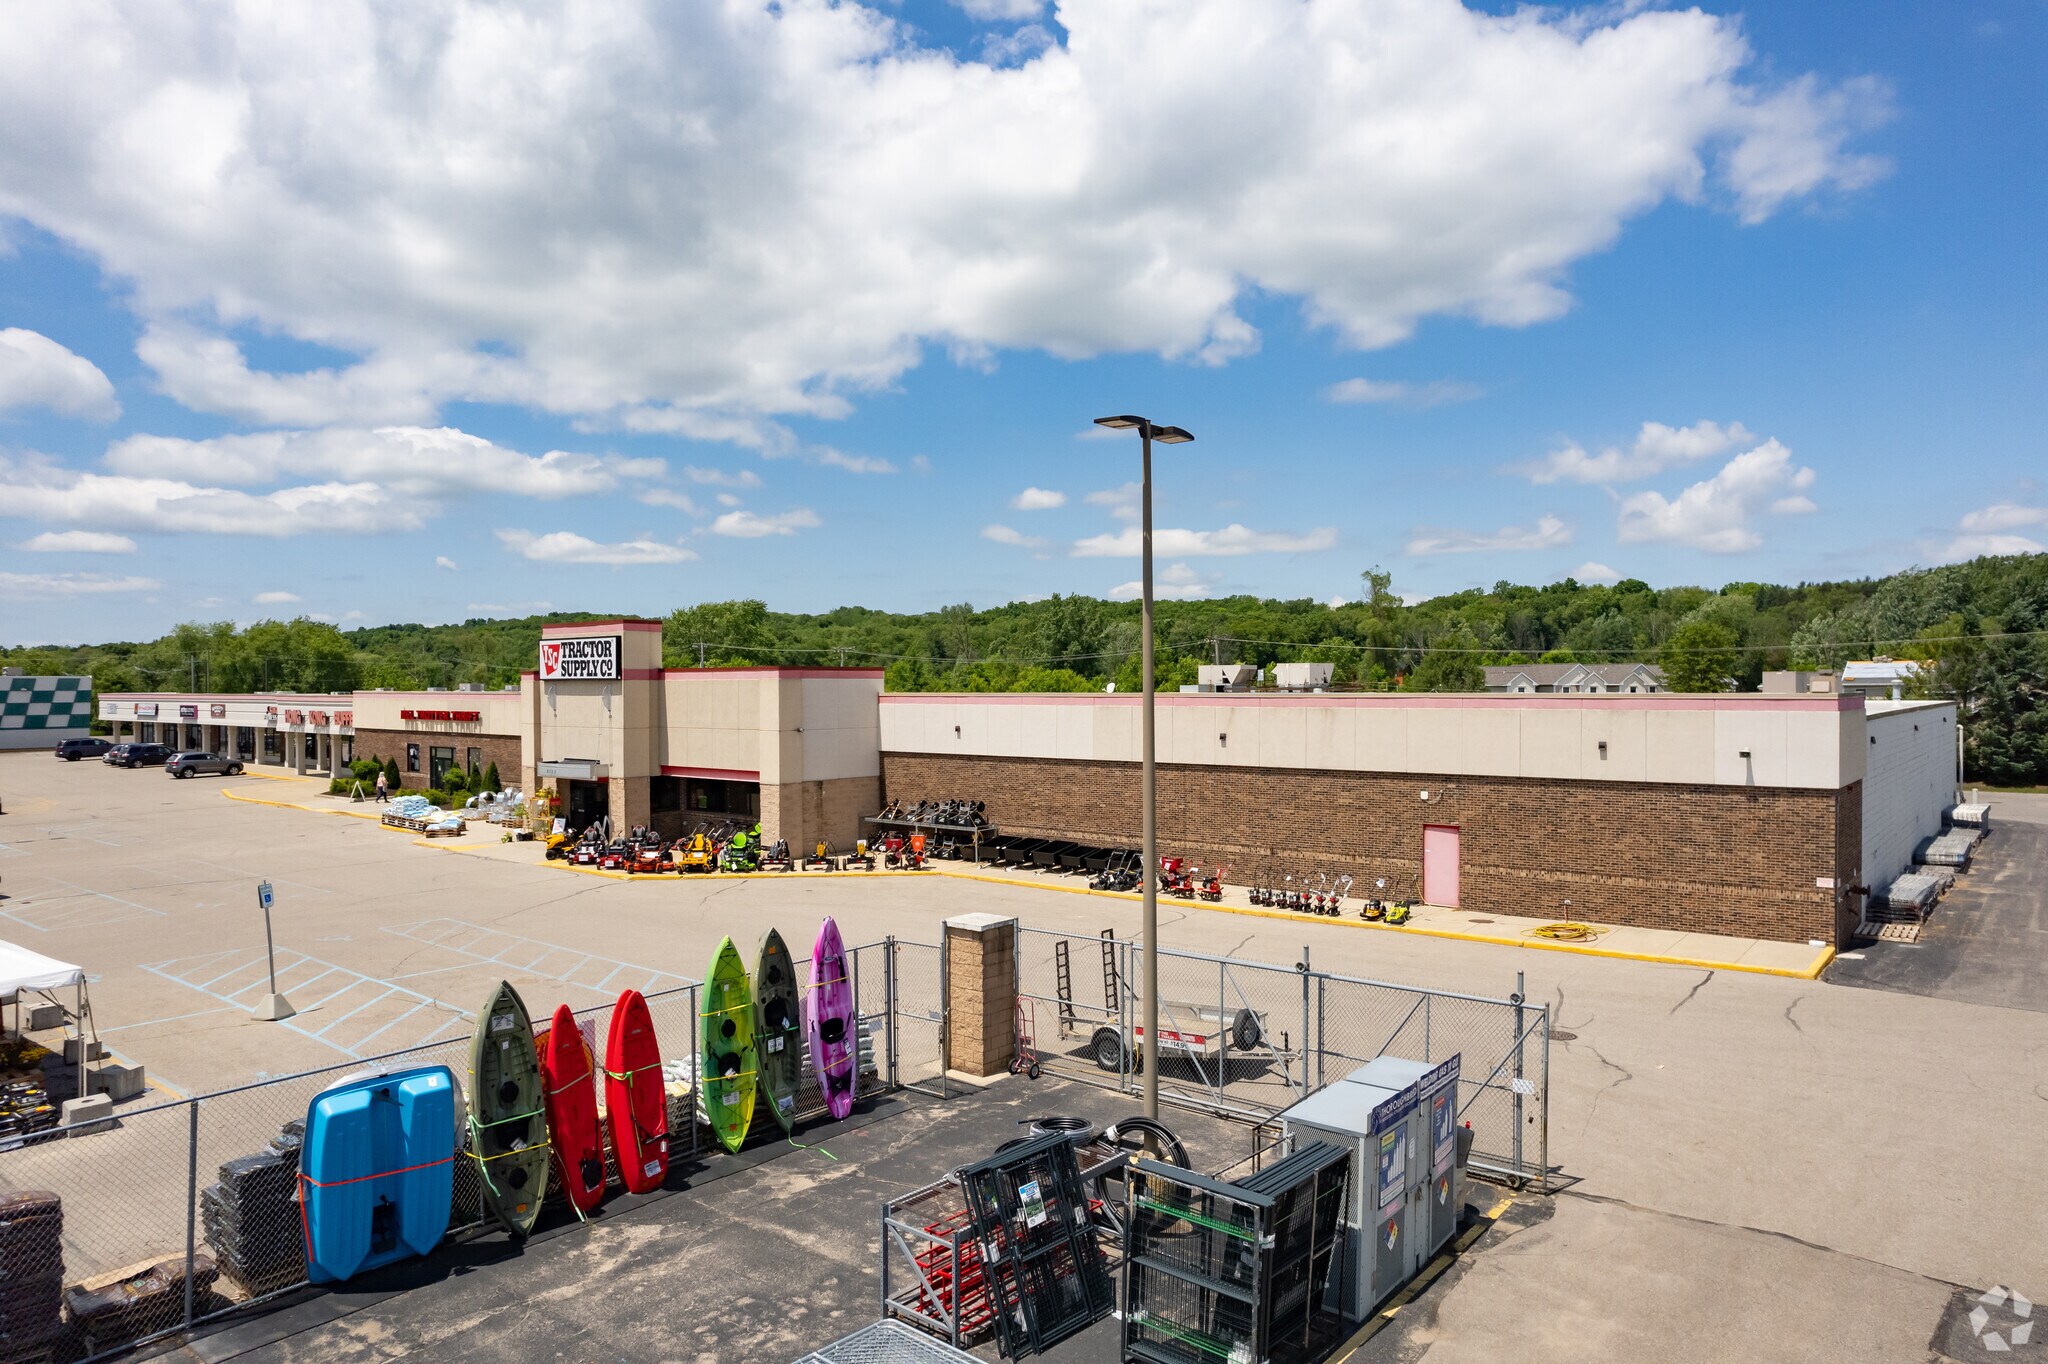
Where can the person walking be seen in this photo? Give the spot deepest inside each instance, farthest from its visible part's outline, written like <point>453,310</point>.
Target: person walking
<point>383,787</point>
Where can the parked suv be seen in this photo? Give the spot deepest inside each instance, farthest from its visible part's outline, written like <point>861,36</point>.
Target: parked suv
<point>185,764</point>
<point>137,755</point>
<point>71,750</point>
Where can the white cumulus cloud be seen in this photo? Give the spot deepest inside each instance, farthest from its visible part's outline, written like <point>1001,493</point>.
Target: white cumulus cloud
<point>1005,535</point>
<point>1402,393</point>
<point>1233,539</point>
<point>721,478</point>
<point>789,205</point>
<point>1038,499</point>
<point>275,598</point>
<point>1594,572</point>
<point>668,497</point>
<point>1719,514</point>
<point>1549,532</point>
<point>748,525</point>
<point>1175,582</point>
<point>1657,447</point>
<point>78,542</point>
<point>1991,531</point>
<point>43,491</point>
<point>432,462</point>
<point>38,372</point>
<point>36,586</point>
<point>444,562</point>
<point>567,547</point>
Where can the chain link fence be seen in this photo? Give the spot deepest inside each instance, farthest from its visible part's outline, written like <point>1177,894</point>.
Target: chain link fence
<point>1247,1039</point>
<point>166,1217</point>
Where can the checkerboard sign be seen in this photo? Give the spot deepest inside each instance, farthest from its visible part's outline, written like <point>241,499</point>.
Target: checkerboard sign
<point>45,703</point>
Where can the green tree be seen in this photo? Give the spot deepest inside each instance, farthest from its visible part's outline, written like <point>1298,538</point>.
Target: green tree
<point>392,776</point>
<point>491,782</point>
<point>1700,656</point>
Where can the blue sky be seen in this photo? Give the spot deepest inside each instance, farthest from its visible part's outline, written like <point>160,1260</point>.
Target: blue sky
<point>807,300</point>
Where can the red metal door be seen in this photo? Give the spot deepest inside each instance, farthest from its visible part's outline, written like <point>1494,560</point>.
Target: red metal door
<point>1440,864</point>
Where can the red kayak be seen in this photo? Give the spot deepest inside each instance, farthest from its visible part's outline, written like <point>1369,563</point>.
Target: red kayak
<point>569,1074</point>
<point>634,1101</point>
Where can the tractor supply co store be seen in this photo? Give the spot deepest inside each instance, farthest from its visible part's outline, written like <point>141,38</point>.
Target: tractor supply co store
<point>1742,815</point>
<point>300,733</point>
<point>429,733</point>
<point>617,734</point>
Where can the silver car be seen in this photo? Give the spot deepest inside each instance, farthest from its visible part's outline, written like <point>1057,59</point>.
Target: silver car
<point>185,764</point>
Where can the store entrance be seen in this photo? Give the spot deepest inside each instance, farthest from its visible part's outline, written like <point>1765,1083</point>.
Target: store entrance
<point>583,803</point>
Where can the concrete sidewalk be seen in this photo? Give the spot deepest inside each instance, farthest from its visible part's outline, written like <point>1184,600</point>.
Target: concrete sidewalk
<point>1704,951</point>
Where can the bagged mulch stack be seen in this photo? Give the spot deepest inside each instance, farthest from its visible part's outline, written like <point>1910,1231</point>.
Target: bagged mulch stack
<point>31,1271</point>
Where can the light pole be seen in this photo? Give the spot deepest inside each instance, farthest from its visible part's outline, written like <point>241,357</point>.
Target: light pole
<point>1165,435</point>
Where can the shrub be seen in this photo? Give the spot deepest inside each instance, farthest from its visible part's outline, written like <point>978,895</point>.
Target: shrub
<point>392,776</point>
<point>455,779</point>
<point>366,769</point>
<point>340,786</point>
<point>491,782</point>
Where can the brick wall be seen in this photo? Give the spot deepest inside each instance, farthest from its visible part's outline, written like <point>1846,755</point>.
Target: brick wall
<point>502,749</point>
<point>1735,860</point>
<point>981,996</point>
<point>805,811</point>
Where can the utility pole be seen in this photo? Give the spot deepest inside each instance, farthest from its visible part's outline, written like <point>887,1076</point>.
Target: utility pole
<point>700,653</point>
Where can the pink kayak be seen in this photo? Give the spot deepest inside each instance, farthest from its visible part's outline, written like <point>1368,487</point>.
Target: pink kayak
<point>831,1021</point>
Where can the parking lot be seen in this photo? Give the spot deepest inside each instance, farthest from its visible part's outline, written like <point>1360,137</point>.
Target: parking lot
<point>1757,1167</point>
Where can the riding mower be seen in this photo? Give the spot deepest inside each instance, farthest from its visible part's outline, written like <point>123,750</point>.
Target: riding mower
<point>696,855</point>
<point>649,856</point>
<point>742,852</point>
<point>560,845</point>
<point>614,857</point>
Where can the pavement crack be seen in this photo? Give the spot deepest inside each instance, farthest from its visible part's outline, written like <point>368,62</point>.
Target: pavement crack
<point>1790,1019</point>
<point>1697,986</point>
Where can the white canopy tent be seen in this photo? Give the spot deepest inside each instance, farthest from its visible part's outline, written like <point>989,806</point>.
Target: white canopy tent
<point>21,969</point>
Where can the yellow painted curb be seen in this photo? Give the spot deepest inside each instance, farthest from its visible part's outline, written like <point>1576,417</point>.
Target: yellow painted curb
<point>1811,972</point>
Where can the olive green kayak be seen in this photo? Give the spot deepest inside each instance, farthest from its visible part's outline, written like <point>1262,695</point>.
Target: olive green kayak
<point>778,1029</point>
<point>729,1060</point>
<point>508,1129</point>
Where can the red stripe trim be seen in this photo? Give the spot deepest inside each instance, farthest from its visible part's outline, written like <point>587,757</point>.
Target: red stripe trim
<point>711,773</point>
<point>1393,701</point>
<point>584,627</point>
<point>777,672</point>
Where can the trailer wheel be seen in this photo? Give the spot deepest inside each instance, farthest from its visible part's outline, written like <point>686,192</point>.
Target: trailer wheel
<point>1108,1049</point>
<point>1244,1032</point>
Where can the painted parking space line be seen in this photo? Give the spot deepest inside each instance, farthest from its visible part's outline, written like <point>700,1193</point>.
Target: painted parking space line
<point>531,956</point>
<point>339,1007</point>
<point>81,907</point>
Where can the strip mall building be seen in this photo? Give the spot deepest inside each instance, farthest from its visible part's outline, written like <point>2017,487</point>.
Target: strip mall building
<point>1764,816</point>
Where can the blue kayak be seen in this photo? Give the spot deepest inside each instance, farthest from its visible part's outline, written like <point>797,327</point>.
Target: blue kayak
<point>377,1170</point>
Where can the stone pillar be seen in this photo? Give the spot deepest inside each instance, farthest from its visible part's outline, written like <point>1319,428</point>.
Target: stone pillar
<point>981,994</point>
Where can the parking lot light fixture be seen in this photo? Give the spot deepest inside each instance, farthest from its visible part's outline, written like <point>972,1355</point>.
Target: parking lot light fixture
<point>1165,435</point>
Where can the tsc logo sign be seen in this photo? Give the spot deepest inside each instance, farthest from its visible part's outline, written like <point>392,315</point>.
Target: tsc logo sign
<point>592,659</point>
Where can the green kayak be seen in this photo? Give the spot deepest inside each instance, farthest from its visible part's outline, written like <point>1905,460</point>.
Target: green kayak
<point>778,1029</point>
<point>508,1128</point>
<point>729,1061</point>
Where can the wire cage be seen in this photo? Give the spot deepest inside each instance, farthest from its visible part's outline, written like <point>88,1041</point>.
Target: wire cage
<point>1031,1211</point>
<point>1234,1272</point>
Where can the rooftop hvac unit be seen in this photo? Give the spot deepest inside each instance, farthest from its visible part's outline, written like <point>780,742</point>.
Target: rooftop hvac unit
<point>1303,676</point>
<point>1225,676</point>
<point>471,686</point>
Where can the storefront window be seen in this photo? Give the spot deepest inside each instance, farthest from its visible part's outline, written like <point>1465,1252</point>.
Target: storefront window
<point>439,761</point>
<point>270,748</point>
<point>664,794</point>
<point>476,760</point>
<point>148,732</point>
<point>412,757</point>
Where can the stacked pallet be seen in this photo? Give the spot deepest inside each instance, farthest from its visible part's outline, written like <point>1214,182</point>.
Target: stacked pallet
<point>1951,849</point>
<point>251,1217</point>
<point>31,1274</point>
<point>1971,815</point>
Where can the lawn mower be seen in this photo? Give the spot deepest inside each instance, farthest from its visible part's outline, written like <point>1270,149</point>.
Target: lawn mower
<point>613,858</point>
<point>560,845</point>
<point>696,855</point>
<point>820,858</point>
<point>1119,873</point>
<point>775,857</point>
<point>647,856</point>
<point>742,852</point>
<point>586,852</point>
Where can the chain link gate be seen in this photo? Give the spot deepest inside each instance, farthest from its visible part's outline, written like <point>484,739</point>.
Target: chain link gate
<point>1247,1039</point>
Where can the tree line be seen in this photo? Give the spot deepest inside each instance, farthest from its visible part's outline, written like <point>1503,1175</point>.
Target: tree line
<point>1981,627</point>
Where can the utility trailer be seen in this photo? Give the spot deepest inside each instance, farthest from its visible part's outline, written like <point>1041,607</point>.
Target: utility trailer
<point>1202,1033</point>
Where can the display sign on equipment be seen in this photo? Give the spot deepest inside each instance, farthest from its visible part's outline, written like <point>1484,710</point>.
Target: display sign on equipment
<point>592,658</point>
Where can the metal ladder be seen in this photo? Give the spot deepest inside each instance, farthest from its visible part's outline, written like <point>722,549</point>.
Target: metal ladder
<point>1109,982</point>
<point>1063,978</point>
